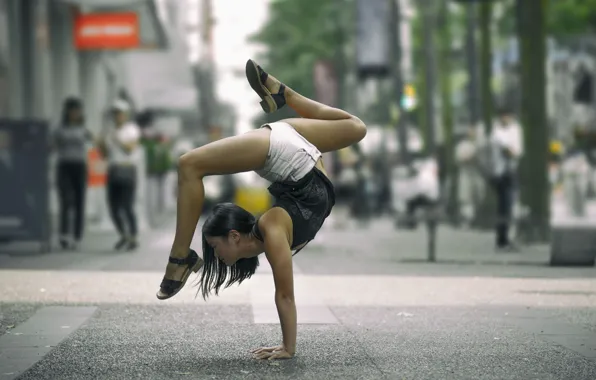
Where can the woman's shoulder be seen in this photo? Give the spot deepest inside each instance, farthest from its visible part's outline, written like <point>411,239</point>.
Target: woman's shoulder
<point>274,219</point>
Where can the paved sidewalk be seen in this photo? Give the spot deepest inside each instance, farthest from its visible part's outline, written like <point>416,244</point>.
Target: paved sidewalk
<point>93,314</point>
<point>97,237</point>
<point>452,246</point>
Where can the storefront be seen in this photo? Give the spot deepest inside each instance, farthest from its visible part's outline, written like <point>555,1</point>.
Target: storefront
<point>43,60</point>
<point>3,59</point>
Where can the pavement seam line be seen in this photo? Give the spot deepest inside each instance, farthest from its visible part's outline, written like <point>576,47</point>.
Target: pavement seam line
<point>32,340</point>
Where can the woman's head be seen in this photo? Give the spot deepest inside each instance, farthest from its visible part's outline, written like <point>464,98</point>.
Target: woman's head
<point>228,249</point>
<point>72,112</point>
<point>120,112</point>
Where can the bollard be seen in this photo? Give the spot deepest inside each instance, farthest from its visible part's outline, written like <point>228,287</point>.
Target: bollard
<point>573,245</point>
<point>431,229</point>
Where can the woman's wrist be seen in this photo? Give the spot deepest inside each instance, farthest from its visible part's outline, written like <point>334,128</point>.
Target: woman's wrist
<point>290,350</point>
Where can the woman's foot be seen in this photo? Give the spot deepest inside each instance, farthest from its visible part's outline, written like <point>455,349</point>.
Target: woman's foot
<point>269,89</point>
<point>64,242</point>
<point>177,273</point>
<point>132,244</point>
<point>67,243</point>
<point>75,245</point>
<point>121,243</point>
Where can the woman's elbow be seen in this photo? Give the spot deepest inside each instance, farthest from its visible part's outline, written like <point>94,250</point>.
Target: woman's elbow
<point>286,297</point>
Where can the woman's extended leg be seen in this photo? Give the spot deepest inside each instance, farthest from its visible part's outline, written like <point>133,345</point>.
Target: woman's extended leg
<point>325,127</point>
<point>230,155</point>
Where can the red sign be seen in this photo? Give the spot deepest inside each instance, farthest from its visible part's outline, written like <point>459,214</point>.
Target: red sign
<point>106,31</point>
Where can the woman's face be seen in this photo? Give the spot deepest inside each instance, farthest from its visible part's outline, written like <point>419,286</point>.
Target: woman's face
<point>120,117</point>
<point>75,115</point>
<point>227,249</point>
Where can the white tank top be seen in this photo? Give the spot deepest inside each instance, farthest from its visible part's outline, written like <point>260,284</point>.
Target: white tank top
<point>290,157</point>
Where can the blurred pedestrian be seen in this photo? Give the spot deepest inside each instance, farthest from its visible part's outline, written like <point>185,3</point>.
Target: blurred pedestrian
<point>158,159</point>
<point>122,150</point>
<point>506,142</point>
<point>470,181</point>
<point>71,142</point>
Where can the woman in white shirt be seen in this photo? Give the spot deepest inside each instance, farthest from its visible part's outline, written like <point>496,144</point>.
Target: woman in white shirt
<point>71,141</point>
<point>507,148</point>
<point>121,147</point>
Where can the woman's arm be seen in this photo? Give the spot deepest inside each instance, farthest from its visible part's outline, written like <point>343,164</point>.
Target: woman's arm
<point>276,225</point>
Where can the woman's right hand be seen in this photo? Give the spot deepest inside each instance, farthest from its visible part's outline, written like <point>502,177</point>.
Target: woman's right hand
<point>270,353</point>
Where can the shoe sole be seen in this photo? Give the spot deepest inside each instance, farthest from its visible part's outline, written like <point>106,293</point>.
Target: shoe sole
<point>254,79</point>
<point>194,269</point>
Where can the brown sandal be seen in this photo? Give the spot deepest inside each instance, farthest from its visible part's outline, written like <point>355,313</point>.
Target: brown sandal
<point>256,78</point>
<point>169,288</point>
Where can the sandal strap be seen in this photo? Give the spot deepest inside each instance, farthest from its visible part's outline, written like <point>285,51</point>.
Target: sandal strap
<point>169,286</point>
<point>262,74</point>
<point>189,260</point>
<point>280,98</point>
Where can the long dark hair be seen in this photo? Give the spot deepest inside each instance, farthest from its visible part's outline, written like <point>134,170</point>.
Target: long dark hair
<point>225,217</point>
<point>69,104</point>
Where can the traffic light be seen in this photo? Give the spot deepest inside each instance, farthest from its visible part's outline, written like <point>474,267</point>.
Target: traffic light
<point>408,100</point>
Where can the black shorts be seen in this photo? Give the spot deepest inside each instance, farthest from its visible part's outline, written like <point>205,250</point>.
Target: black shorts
<point>308,201</point>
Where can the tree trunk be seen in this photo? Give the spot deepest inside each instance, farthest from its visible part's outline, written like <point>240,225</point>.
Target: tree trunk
<point>486,65</point>
<point>487,209</point>
<point>445,38</point>
<point>429,17</point>
<point>535,186</point>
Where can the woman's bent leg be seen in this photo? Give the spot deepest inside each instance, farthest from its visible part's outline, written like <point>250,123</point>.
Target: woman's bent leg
<point>64,197</point>
<point>80,191</point>
<point>114,195</point>
<point>327,128</point>
<point>227,156</point>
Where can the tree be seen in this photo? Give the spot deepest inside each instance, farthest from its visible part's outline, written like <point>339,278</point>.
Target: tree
<point>571,17</point>
<point>486,22</point>
<point>445,38</point>
<point>535,190</point>
<point>300,33</point>
<point>564,17</point>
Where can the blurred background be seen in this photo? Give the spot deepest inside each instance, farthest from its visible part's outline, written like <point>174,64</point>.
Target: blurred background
<point>432,79</point>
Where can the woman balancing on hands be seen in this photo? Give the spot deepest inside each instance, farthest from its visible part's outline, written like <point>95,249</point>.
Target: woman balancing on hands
<point>287,153</point>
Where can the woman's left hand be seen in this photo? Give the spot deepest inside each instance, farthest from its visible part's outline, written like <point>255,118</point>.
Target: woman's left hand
<point>271,353</point>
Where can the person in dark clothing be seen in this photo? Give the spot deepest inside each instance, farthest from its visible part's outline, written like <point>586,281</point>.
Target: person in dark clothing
<point>71,141</point>
<point>507,149</point>
<point>121,147</point>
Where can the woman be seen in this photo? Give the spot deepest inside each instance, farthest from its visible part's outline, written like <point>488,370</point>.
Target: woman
<point>71,141</point>
<point>121,147</point>
<point>287,153</point>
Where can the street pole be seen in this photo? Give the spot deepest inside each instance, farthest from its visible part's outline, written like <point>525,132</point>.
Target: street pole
<point>429,17</point>
<point>398,80</point>
<point>205,66</point>
<point>430,68</point>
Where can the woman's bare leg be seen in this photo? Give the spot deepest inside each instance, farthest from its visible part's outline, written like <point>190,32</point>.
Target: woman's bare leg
<point>327,128</point>
<point>230,155</point>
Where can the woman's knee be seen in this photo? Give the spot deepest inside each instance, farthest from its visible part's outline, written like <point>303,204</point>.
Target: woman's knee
<point>359,128</point>
<point>189,166</point>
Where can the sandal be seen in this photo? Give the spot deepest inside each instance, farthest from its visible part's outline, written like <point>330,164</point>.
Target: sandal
<point>169,288</point>
<point>256,78</point>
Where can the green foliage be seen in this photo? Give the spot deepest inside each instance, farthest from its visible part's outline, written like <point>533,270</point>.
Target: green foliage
<point>568,17</point>
<point>506,22</point>
<point>299,33</point>
<point>564,17</point>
